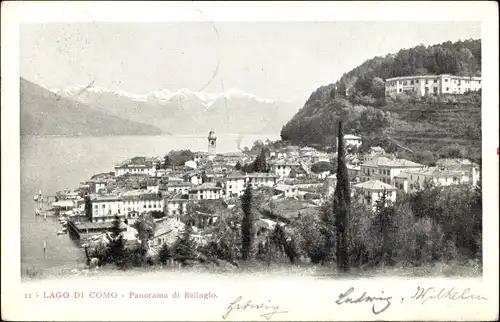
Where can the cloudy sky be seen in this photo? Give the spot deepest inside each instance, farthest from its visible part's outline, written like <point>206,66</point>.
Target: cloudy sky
<point>277,60</point>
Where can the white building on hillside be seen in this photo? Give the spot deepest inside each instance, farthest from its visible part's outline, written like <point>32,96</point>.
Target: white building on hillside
<point>414,180</point>
<point>385,169</point>
<point>352,140</point>
<point>282,167</point>
<point>205,191</point>
<point>136,166</point>
<point>432,84</point>
<point>235,183</point>
<point>371,191</point>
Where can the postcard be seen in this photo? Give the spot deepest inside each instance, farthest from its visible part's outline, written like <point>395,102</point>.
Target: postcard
<point>249,161</point>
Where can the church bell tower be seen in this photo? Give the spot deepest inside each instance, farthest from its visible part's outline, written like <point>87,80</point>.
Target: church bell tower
<point>212,144</point>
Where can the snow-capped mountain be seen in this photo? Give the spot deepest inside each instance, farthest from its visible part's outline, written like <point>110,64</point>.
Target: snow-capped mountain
<point>162,97</point>
<point>186,111</point>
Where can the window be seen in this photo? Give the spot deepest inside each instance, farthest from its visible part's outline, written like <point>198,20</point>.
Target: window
<point>447,89</point>
<point>416,81</point>
<point>404,83</point>
<point>400,90</point>
<point>446,80</point>
<point>411,82</point>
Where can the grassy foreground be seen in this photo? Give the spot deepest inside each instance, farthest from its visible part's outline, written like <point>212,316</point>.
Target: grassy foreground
<point>437,269</point>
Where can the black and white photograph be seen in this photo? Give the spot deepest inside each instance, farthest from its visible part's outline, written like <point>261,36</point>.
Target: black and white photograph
<point>307,150</point>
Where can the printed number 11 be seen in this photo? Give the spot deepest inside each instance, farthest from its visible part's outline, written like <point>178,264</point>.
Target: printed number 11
<point>27,295</point>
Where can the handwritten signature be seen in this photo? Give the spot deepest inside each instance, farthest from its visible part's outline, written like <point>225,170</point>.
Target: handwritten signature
<point>348,298</point>
<point>429,293</point>
<point>236,305</point>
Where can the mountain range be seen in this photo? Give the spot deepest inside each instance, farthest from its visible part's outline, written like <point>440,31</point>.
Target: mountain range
<point>188,112</point>
<point>46,113</point>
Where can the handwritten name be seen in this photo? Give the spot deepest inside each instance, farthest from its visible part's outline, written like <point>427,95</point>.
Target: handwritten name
<point>348,298</point>
<point>431,293</point>
<point>271,309</point>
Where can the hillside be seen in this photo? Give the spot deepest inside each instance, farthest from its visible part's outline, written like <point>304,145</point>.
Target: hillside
<point>432,124</point>
<point>187,112</point>
<point>45,113</point>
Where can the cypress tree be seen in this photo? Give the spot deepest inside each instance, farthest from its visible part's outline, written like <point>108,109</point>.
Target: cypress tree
<point>247,228</point>
<point>341,204</point>
<point>116,246</point>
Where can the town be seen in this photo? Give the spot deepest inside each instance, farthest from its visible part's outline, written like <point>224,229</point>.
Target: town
<point>201,189</point>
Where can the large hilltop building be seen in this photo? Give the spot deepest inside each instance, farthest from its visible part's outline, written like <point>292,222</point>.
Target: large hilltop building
<point>432,84</point>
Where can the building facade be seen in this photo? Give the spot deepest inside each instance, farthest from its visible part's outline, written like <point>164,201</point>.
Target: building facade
<point>235,184</point>
<point>414,180</point>
<point>432,85</point>
<point>370,192</point>
<point>206,191</point>
<point>352,140</point>
<point>106,208</point>
<point>282,168</point>
<point>129,167</point>
<point>385,169</point>
<point>179,187</point>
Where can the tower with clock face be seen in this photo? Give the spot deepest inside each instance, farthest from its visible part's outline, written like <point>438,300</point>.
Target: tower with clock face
<point>212,144</point>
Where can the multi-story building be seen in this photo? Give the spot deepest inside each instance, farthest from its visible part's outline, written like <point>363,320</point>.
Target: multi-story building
<point>106,207</point>
<point>235,183</point>
<point>371,191</point>
<point>414,180</point>
<point>136,166</point>
<point>142,202</point>
<point>179,187</point>
<point>282,167</point>
<point>176,206</point>
<point>352,140</point>
<point>307,152</point>
<point>385,169</point>
<point>205,191</point>
<point>432,84</point>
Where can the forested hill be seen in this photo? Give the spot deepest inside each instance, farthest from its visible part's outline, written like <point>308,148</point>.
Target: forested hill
<point>45,113</point>
<point>359,97</point>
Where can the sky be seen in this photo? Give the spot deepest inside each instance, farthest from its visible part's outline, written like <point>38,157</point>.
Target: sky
<point>277,60</point>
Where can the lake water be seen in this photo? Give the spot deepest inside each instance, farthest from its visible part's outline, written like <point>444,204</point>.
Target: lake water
<point>56,163</point>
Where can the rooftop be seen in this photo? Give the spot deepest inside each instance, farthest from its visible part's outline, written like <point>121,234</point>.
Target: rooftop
<point>375,185</point>
<point>176,184</point>
<point>435,172</point>
<point>238,175</point>
<point>206,186</point>
<point>351,137</point>
<point>97,225</point>
<point>393,163</point>
<point>285,162</point>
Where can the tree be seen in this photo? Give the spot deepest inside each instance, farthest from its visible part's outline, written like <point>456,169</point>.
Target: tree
<point>88,207</point>
<point>116,245</point>
<point>247,226</point>
<point>321,166</point>
<point>145,226</point>
<point>164,254</point>
<point>184,246</point>
<point>238,166</point>
<point>166,161</point>
<point>260,162</point>
<point>384,230</point>
<point>341,204</point>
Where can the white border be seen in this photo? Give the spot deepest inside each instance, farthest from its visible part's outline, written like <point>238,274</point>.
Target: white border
<point>305,299</point>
